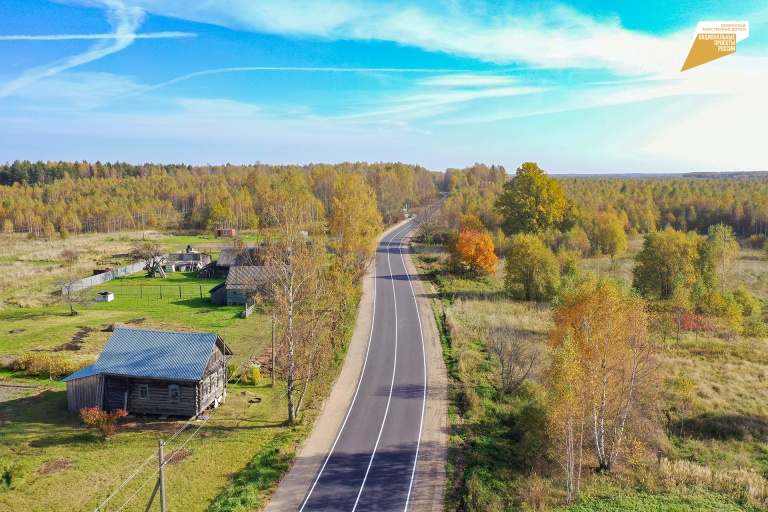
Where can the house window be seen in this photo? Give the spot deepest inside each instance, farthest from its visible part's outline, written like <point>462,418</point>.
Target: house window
<point>205,387</point>
<point>213,382</point>
<point>144,391</point>
<point>174,394</point>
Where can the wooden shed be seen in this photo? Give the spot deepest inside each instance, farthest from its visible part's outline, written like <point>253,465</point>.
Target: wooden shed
<point>243,283</point>
<point>223,233</point>
<point>153,372</point>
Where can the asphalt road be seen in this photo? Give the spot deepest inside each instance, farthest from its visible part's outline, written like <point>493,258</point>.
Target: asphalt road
<point>372,462</point>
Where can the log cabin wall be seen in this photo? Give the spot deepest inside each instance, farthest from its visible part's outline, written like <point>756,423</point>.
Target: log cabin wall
<point>85,392</point>
<point>213,385</point>
<point>158,398</point>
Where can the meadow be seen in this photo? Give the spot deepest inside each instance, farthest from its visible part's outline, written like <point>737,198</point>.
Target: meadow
<point>720,462</point>
<point>49,461</point>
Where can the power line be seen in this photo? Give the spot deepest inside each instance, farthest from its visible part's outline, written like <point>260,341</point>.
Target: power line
<point>179,431</point>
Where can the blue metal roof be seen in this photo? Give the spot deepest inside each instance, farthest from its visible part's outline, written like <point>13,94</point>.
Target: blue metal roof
<point>156,354</point>
<point>88,371</point>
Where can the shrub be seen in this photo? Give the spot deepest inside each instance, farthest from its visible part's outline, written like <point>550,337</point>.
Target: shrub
<point>749,305</point>
<point>254,375</point>
<point>42,364</point>
<point>757,241</point>
<point>93,417</point>
<point>13,476</point>
<point>755,327</point>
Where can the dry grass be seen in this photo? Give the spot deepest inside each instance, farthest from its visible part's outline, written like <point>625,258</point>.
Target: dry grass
<point>744,485</point>
<point>30,269</point>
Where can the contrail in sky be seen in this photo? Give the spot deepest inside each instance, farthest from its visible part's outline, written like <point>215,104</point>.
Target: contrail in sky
<point>67,37</point>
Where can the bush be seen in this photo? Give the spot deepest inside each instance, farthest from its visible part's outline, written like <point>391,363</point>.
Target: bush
<point>755,327</point>
<point>749,305</point>
<point>253,376</point>
<point>42,364</point>
<point>757,241</point>
<point>93,417</point>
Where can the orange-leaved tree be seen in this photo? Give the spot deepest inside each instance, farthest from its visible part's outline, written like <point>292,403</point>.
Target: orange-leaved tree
<point>475,250</point>
<point>605,326</point>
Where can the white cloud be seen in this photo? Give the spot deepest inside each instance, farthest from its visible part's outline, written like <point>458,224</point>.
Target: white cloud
<point>218,108</point>
<point>70,90</point>
<point>559,38</point>
<point>728,135</point>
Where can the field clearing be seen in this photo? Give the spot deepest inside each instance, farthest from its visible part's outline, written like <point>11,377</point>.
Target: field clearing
<point>725,432</point>
<point>49,461</point>
<point>53,463</point>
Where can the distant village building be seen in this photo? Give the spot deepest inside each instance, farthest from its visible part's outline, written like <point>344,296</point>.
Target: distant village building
<point>188,260</point>
<point>231,257</point>
<point>224,233</point>
<point>154,372</point>
<point>243,283</point>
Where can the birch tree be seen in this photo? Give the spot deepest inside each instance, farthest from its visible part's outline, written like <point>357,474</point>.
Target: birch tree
<point>568,413</point>
<point>300,298</point>
<point>608,327</point>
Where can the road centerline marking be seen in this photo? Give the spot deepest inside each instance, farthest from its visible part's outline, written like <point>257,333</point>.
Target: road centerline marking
<point>391,385</point>
<point>357,389</point>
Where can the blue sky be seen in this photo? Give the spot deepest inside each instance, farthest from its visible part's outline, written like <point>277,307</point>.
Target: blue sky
<point>578,87</point>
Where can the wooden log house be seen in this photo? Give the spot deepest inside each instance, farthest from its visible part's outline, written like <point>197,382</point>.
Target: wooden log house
<point>154,372</point>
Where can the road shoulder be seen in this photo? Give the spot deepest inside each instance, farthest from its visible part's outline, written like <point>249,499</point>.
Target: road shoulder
<point>429,488</point>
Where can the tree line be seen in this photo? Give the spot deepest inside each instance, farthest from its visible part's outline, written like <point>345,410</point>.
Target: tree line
<point>68,198</point>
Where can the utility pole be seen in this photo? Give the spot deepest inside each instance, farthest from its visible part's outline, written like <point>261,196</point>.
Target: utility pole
<point>162,477</point>
<point>273,351</point>
<point>160,481</point>
<point>142,225</point>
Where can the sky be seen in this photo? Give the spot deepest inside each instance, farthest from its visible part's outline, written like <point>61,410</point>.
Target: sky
<point>579,87</point>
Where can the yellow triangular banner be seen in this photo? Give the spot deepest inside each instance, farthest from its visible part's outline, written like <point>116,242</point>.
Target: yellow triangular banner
<point>708,47</point>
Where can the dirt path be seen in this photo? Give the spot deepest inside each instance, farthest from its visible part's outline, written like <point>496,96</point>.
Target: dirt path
<point>430,483</point>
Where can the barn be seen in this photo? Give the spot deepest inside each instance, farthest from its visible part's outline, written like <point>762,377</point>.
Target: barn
<point>147,371</point>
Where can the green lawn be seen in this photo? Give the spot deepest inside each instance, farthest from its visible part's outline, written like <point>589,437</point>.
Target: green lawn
<point>137,303</point>
<point>37,433</point>
<point>50,462</point>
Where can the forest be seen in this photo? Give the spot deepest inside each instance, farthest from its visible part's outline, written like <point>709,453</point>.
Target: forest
<point>61,198</point>
<point>605,339</point>
<point>686,202</point>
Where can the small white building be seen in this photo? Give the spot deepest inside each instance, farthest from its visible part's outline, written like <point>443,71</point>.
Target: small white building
<point>104,297</point>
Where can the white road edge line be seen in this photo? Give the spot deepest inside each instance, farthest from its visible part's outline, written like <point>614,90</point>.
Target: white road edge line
<point>391,385</point>
<point>354,397</point>
<point>424,398</point>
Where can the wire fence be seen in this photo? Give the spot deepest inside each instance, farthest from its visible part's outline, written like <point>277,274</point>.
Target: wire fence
<point>163,291</point>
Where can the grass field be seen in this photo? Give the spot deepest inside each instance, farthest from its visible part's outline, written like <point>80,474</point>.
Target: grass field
<point>51,462</point>
<point>723,449</point>
<point>48,461</point>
